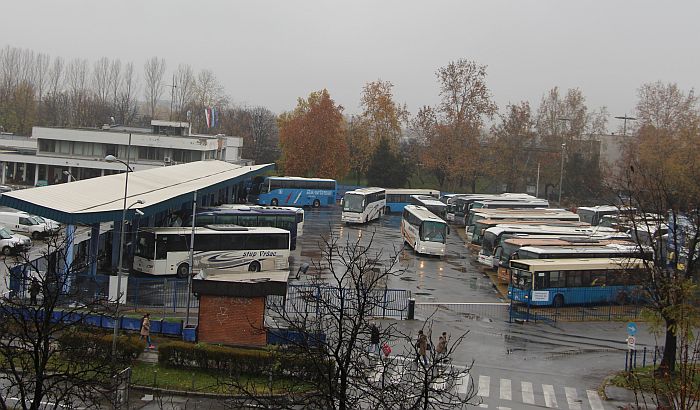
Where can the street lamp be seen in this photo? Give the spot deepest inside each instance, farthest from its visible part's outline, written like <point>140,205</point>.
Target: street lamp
<point>561,171</point>
<point>69,175</point>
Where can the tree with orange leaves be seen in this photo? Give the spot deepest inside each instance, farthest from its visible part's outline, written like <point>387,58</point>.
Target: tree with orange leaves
<point>313,138</point>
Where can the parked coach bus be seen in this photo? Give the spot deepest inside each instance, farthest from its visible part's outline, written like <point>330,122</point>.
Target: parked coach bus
<point>363,205</point>
<point>297,210</point>
<point>561,282</point>
<point>510,246</point>
<point>275,217</point>
<point>397,199</point>
<point>423,231</point>
<point>295,191</point>
<point>461,205</point>
<point>165,251</point>
<point>477,218</point>
<point>432,204</point>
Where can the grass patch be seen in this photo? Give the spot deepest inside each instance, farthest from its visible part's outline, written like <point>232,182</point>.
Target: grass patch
<point>645,380</point>
<point>198,380</point>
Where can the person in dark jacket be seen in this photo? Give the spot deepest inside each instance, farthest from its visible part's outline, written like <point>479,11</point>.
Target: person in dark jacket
<point>374,339</point>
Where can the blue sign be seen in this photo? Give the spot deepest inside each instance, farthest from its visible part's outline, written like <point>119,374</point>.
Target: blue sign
<point>631,328</point>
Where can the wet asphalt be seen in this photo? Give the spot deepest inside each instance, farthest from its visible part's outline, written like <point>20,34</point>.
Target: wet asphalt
<point>578,354</point>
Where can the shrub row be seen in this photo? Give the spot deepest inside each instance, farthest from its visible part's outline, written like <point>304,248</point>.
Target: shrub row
<point>79,344</point>
<point>238,360</point>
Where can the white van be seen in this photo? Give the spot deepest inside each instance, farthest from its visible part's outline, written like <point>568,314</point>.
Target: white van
<point>12,244</point>
<point>25,223</point>
<point>51,225</point>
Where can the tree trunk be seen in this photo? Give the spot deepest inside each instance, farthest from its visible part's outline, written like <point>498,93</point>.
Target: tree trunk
<point>473,185</point>
<point>668,360</point>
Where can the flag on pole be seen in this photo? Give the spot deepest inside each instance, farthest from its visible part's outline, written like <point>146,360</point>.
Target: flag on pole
<point>207,113</point>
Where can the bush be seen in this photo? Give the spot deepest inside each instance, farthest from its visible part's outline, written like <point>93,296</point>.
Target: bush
<point>76,344</point>
<point>235,360</point>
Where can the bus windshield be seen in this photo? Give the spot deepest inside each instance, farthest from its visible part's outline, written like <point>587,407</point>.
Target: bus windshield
<point>488,242</point>
<point>522,279</point>
<point>433,231</point>
<point>353,203</point>
<point>145,246</point>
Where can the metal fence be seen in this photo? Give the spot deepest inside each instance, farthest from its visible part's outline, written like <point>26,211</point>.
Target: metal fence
<point>644,357</point>
<point>320,299</point>
<point>468,310</point>
<point>591,304</point>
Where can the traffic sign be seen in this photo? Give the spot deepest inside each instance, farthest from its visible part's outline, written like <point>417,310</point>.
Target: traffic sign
<point>631,328</point>
<point>631,342</point>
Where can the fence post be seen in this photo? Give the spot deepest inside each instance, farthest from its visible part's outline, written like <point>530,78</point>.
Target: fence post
<point>411,309</point>
<point>644,357</point>
<point>384,304</point>
<point>174,296</point>
<point>627,352</point>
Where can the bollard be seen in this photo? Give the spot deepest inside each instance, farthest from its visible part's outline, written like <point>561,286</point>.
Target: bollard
<point>644,357</point>
<point>411,309</point>
<point>626,359</point>
<point>192,381</point>
<point>155,378</point>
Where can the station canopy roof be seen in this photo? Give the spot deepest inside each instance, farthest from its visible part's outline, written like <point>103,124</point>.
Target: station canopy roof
<point>101,199</point>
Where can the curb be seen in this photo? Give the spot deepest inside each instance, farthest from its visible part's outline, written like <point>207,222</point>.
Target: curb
<point>188,393</point>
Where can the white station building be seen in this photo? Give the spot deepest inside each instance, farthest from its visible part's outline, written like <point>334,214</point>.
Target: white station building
<point>42,158</point>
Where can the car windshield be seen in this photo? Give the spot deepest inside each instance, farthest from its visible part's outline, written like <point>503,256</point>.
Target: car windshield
<point>5,234</point>
<point>39,220</point>
<point>353,203</point>
<point>433,231</point>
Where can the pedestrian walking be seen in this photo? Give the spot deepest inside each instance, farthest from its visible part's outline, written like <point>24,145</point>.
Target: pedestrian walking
<point>34,289</point>
<point>441,349</point>
<point>146,330</point>
<point>374,339</point>
<point>422,348</point>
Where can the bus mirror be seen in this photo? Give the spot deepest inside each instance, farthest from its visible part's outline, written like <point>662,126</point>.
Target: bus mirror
<point>341,201</point>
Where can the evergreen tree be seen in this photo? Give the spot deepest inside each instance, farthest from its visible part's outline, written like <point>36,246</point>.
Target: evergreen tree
<point>386,168</point>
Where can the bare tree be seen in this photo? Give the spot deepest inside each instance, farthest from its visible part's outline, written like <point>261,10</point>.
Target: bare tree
<point>334,319</point>
<point>126,100</point>
<point>115,80</point>
<point>77,74</point>
<point>185,88</point>
<point>40,370</point>
<point>153,72</point>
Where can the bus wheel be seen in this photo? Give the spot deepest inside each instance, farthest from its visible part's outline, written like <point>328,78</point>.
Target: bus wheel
<point>317,203</point>
<point>558,301</point>
<point>274,202</point>
<point>254,266</point>
<point>183,270</point>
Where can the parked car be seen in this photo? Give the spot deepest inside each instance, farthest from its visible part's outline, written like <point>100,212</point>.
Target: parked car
<point>24,223</point>
<point>11,243</point>
<point>53,226</point>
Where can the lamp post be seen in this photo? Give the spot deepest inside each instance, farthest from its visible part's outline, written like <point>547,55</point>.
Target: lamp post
<point>112,158</point>
<point>561,168</point>
<point>69,175</point>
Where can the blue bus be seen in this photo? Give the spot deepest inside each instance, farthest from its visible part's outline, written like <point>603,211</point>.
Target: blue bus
<point>250,217</point>
<point>397,199</point>
<point>561,282</point>
<point>294,191</point>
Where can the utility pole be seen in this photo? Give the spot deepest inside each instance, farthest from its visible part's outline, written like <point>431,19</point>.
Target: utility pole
<point>172,86</point>
<point>625,118</point>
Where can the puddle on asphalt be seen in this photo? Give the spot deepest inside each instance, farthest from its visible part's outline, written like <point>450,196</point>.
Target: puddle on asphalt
<point>422,293</point>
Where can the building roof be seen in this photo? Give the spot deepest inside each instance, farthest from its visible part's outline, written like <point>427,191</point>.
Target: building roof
<point>240,284</point>
<point>102,199</point>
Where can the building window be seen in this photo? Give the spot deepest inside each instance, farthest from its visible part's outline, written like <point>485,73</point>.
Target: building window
<point>151,153</point>
<point>181,155</point>
<point>111,149</point>
<point>63,147</point>
<point>47,145</point>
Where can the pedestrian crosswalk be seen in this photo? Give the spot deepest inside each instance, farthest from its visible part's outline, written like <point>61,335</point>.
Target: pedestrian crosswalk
<point>543,395</point>
<point>502,393</point>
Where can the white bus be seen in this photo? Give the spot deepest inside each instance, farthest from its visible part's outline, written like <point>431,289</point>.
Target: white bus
<point>363,205</point>
<point>433,204</point>
<point>396,199</point>
<point>423,231</point>
<point>165,251</point>
<point>299,212</point>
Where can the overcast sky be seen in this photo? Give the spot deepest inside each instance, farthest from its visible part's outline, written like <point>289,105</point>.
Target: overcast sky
<point>271,52</point>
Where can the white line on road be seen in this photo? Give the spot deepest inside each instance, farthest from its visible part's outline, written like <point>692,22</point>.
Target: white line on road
<point>528,394</point>
<point>505,389</point>
<point>594,400</point>
<point>484,382</point>
<point>463,384</point>
<point>572,398</point>
<point>550,399</point>
<point>503,408</point>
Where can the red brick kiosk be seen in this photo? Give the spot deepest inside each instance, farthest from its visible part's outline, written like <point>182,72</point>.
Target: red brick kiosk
<point>232,305</point>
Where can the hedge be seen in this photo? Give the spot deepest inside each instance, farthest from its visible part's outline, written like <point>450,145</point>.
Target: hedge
<point>77,344</point>
<point>237,360</point>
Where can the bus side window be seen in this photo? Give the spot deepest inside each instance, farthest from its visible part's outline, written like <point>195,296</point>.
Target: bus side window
<point>573,279</point>
<point>541,280</point>
<point>557,279</point>
<point>598,278</point>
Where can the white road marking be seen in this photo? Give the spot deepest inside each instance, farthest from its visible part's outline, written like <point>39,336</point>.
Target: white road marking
<point>505,390</point>
<point>594,400</point>
<point>528,394</point>
<point>463,384</point>
<point>572,398</point>
<point>550,399</point>
<point>503,408</point>
<point>484,382</point>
